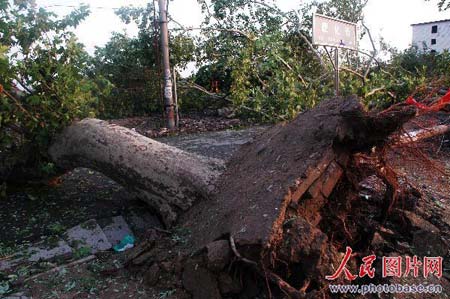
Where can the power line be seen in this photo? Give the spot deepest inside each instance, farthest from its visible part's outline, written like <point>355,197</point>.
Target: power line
<point>76,6</point>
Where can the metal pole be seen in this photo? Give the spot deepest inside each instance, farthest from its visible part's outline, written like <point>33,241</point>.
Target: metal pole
<point>336,66</point>
<point>156,46</point>
<point>168,96</point>
<point>175,97</point>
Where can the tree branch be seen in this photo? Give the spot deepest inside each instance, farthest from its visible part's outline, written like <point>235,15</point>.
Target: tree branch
<point>343,68</point>
<point>291,69</point>
<point>310,45</point>
<point>232,30</point>
<point>374,91</point>
<point>224,97</point>
<point>374,52</point>
<point>19,105</point>
<point>23,85</point>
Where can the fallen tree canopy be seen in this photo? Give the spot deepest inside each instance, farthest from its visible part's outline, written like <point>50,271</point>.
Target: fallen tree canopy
<point>284,208</point>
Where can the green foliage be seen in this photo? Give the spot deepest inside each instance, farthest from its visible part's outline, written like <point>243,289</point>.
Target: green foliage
<point>5,287</point>
<point>210,72</point>
<point>214,78</point>
<point>406,73</point>
<point>349,10</point>
<point>56,228</point>
<point>275,72</point>
<point>6,250</point>
<point>268,81</point>
<point>443,4</point>
<point>81,252</point>
<point>45,80</point>
<point>132,65</point>
<point>412,61</point>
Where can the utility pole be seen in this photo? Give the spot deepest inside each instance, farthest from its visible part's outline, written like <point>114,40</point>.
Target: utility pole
<point>336,74</point>
<point>168,96</point>
<point>175,98</point>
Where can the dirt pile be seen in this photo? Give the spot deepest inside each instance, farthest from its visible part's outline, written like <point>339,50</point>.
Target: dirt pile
<point>291,202</point>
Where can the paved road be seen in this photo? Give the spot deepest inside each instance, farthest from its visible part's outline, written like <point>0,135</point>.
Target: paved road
<point>219,145</point>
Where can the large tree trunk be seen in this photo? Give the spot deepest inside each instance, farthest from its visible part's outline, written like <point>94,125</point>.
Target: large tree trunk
<point>168,179</point>
<point>171,180</point>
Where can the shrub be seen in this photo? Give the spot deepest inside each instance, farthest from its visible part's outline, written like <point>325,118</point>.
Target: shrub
<point>46,85</point>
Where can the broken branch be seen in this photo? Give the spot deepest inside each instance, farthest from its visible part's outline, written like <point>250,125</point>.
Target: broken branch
<point>421,134</point>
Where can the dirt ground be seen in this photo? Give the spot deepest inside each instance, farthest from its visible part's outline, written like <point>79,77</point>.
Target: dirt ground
<point>44,213</point>
<point>189,124</point>
<point>37,212</point>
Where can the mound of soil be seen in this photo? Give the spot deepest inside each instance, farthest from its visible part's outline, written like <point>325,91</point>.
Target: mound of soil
<point>275,171</point>
<point>292,201</point>
<point>288,207</point>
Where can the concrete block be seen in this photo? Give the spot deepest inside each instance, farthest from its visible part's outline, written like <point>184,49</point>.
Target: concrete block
<point>116,229</point>
<point>45,253</point>
<point>88,234</point>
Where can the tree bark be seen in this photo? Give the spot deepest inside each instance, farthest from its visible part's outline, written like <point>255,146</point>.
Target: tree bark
<point>168,179</point>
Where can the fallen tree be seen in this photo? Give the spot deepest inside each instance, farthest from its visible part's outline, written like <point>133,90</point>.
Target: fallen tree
<point>168,179</point>
<point>283,208</point>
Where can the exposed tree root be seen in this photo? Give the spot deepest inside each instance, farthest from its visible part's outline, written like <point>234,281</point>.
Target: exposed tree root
<point>286,208</point>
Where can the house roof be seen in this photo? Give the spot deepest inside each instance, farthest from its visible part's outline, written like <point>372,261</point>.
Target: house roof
<point>432,22</point>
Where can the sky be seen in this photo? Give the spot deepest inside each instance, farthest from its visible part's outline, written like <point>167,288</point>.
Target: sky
<point>390,19</point>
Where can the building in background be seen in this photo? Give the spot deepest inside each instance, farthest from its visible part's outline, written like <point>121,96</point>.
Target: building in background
<point>432,36</point>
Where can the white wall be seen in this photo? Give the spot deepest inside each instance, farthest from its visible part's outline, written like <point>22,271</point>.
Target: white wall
<point>422,34</point>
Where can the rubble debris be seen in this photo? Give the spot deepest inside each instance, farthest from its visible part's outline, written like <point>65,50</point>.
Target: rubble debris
<point>44,253</point>
<point>20,295</point>
<point>126,243</point>
<point>35,253</point>
<point>373,189</point>
<point>115,229</point>
<point>142,220</point>
<point>9,263</point>
<point>88,234</point>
